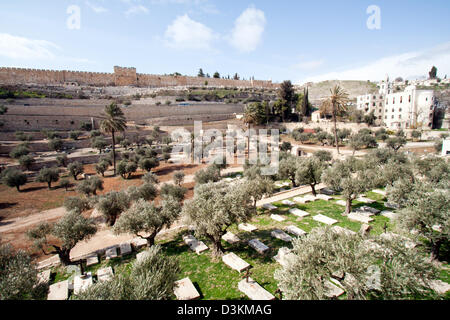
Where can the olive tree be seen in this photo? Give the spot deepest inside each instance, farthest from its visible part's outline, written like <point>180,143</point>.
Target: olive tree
<point>101,167</point>
<point>309,171</point>
<point>210,174</point>
<point>26,161</point>
<point>178,178</point>
<point>48,175</point>
<point>19,276</point>
<point>90,186</point>
<point>215,207</point>
<point>147,191</point>
<point>112,205</point>
<point>146,220</point>
<point>75,169</point>
<point>288,168</point>
<point>150,178</point>
<point>68,231</point>
<point>258,188</point>
<point>76,204</point>
<point>14,178</point>
<point>152,278</point>
<point>147,164</point>
<point>366,268</point>
<point>174,191</point>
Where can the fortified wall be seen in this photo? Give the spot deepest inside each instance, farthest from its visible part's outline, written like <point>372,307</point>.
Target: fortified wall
<point>120,77</point>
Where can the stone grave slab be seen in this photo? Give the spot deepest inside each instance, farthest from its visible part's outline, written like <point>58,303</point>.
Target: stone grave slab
<point>364,213</point>
<point>437,228</point>
<point>105,274</point>
<point>383,193</point>
<point>195,245</point>
<point>327,191</point>
<point>111,253</point>
<point>44,276</point>
<point>325,219</point>
<point>138,243</point>
<point>253,290</point>
<point>234,262</point>
<point>388,214</point>
<point>231,238</point>
<point>365,200</point>
<point>92,260</point>
<point>332,290</point>
<point>301,200</point>
<point>269,206</point>
<point>391,205</point>
<point>277,217</point>
<point>439,286</point>
<point>299,213</point>
<point>82,282</point>
<point>341,203</point>
<point>258,246</point>
<point>125,248</point>
<point>324,197</point>
<point>341,230</point>
<point>59,291</point>
<point>288,203</point>
<point>310,197</point>
<point>354,216</point>
<point>296,231</point>
<point>283,256</point>
<point>185,290</point>
<point>247,227</point>
<point>369,209</point>
<point>280,234</point>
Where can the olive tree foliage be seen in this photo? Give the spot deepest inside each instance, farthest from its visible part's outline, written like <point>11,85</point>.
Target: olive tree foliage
<point>19,276</point>
<point>75,169</point>
<point>178,177</point>
<point>101,167</point>
<point>48,175</point>
<point>76,204</point>
<point>433,169</point>
<point>366,268</point>
<point>258,188</point>
<point>323,155</point>
<point>426,209</point>
<point>288,168</point>
<point>151,278</point>
<point>147,192</point>
<point>215,207</point>
<point>68,231</point>
<point>13,178</point>
<point>90,186</point>
<point>309,171</point>
<point>174,191</point>
<point>210,174</point>
<point>352,177</point>
<point>146,220</point>
<point>112,204</point>
<point>150,178</point>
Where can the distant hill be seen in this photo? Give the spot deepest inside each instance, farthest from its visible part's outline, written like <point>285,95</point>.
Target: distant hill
<point>321,90</point>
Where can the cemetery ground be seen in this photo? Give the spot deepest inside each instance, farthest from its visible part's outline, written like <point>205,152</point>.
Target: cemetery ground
<point>214,280</point>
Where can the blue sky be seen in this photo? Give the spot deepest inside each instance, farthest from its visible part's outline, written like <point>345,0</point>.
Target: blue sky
<point>268,39</point>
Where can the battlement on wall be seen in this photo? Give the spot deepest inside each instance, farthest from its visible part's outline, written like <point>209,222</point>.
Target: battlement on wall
<point>122,76</point>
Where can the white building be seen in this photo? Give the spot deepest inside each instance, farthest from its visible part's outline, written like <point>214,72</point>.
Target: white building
<point>411,108</point>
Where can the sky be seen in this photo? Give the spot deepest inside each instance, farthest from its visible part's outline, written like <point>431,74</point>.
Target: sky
<point>278,40</point>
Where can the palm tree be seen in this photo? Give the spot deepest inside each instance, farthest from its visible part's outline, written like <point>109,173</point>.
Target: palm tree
<point>337,102</point>
<point>113,121</point>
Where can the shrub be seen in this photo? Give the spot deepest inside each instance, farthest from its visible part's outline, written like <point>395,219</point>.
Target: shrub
<point>26,161</point>
<point>14,178</point>
<point>19,151</point>
<point>48,175</point>
<point>75,169</point>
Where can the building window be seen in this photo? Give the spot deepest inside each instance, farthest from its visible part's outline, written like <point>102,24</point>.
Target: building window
<point>409,99</point>
<point>401,99</point>
<point>385,117</point>
<point>399,116</point>
<point>374,104</point>
<point>400,110</point>
<point>392,116</point>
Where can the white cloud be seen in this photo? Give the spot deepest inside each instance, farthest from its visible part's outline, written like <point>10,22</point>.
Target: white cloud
<point>185,33</point>
<point>136,10</point>
<point>248,30</point>
<point>309,65</point>
<point>410,65</point>
<point>23,48</point>
<point>96,8</point>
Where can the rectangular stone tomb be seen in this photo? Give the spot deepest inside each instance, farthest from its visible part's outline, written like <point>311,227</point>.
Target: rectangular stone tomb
<point>391,205</point>
<point>327,191</point>
<point>231,238</point>
<point>111,253</point>
<point>383,193</point>
<point>282,184</point>
<point>92,260</point>
<point>301,200</point>
<point>44,277</point>
<point>234,262</point>
<point>288,203</point>
<point>277,217</point>
<point>325,219</point>
<point>138,243</point>
<point>253,290</point>
<point>247,227</point>
<point>82,282</point>
<point>365,200</point>
<point>324,197</point>
<point>195,245</point>
<point>185,290</point>
<point>283,256</point>
<point>279,234</point>
<point>59,291</point>
<point>341,203</point>
<point>141,255</point>
<point>332,290</point>
<point>310,197</point>
<point>295,231</point>
<point>105,274</point>
<point>258,246</point>
<point>370,209</point>
<point>341,230</point>
<point>298,212</point>
<point>388,214</point>
<point>354,216</point>
<point>269,206</point>
<point>364,213</point>
<point>125,248</point>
